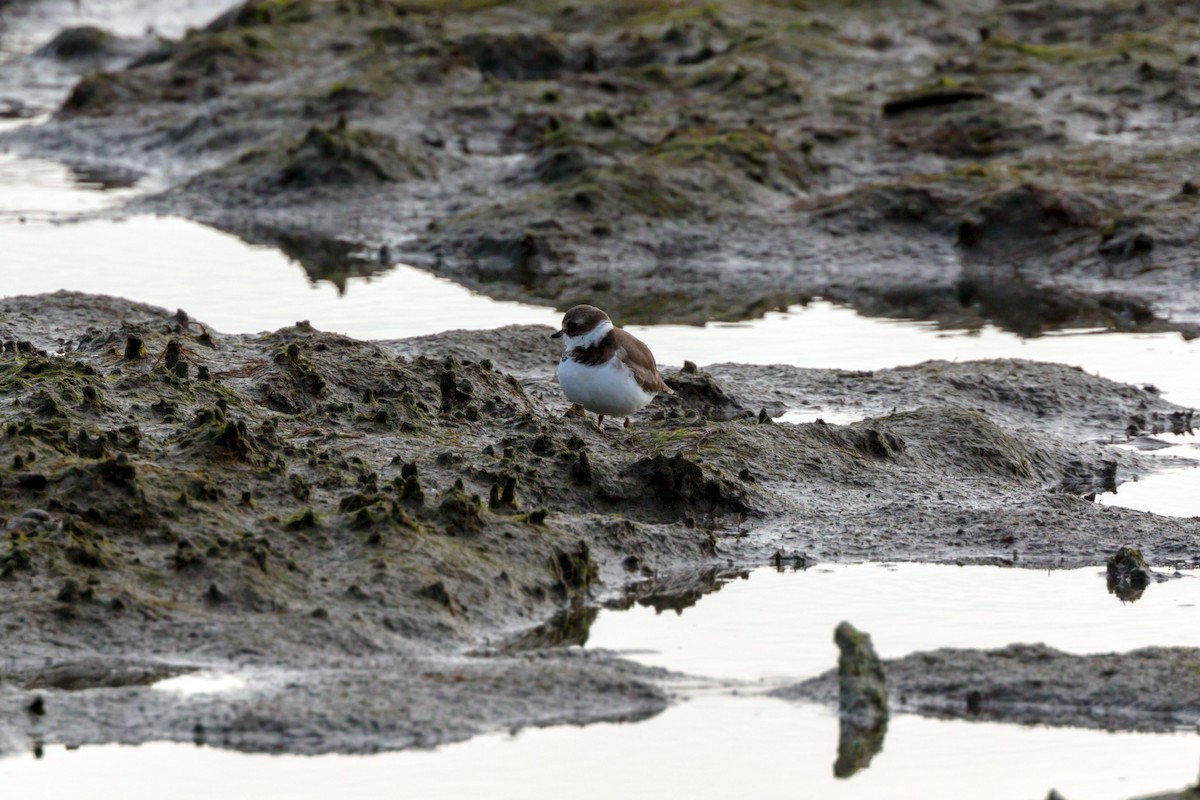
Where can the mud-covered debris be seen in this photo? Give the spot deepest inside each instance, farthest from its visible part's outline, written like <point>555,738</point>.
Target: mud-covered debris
<point>456,389</point>
<point>411,491</point>
<point>699,393</point>
<point>1127,245</point>
<point>81,43</point>
<point>680,486</point>
<point>135,348</point>
<point>461,513</point>
<point>862,701</point>
<point>102,93</point>
<point>436,592</point>
<point>234,438</point>
<point>347,155</point>
<point>69,592</point>
<point>581,469</point>
<point>575,570</point>
<point>928,99</point>
<point>255,13</point>
<point>515,56</point>
<point>33,521</point>
<point>1019,219</point>
<point>862,688</point>
<point>503,494</point>
<point>1127,574</point>
<point>872,442</point>
<point>302,520</point>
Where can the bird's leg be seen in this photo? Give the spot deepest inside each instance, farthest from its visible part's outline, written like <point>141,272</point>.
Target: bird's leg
<point>600,422</point>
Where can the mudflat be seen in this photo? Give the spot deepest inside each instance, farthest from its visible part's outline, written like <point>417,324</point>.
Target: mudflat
<point>387,540</point>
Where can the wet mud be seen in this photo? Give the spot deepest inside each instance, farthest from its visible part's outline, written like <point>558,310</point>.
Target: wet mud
<point>1026,164</point>
<point>1152,689</point>
<point>349,524</point>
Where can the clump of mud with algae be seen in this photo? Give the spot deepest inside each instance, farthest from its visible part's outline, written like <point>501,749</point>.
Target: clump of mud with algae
<point>1025,164</point>
<point>380,540</point>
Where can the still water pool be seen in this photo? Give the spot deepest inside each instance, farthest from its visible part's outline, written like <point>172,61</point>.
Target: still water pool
<point>724,736</point>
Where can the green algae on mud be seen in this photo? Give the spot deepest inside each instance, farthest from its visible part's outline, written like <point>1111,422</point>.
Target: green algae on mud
<point>963,163</point>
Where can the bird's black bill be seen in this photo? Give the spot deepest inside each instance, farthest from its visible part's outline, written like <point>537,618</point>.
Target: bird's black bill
<point>556,335</point>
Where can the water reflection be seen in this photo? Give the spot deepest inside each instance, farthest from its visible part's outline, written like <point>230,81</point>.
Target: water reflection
<point>677,590</point>
<point>322,258</point>
<point>857,745</point>
<point>567,628</point>
<point>103,178</point>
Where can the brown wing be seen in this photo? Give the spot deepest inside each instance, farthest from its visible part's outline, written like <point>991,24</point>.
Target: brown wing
<point>640,361</point>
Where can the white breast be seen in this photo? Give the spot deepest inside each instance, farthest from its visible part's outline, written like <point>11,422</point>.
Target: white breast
<point>607,388</point>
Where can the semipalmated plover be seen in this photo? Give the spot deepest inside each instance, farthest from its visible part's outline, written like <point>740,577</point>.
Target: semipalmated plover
<point>604,369</point>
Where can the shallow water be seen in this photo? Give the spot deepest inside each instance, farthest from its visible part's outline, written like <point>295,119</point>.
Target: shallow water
<point>711,746</point>
<point>725,737</point>
<point>777,627</point>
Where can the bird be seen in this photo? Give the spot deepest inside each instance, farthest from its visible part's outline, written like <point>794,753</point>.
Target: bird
<point>604,369</point>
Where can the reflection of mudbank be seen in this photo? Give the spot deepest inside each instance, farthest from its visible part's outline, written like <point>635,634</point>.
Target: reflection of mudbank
<point>566,628</point>
<point>323,258</point>
<point>676,590</point>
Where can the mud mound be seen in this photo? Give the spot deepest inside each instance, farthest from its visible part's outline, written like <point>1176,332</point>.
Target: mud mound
<point>1033,684</point>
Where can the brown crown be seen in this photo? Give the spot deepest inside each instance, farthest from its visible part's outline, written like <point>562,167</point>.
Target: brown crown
<point>581,319</point>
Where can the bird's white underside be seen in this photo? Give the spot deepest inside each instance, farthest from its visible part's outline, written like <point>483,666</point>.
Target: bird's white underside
<point>607,388</point>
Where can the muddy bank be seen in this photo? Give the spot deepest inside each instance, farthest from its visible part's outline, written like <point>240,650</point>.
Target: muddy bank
<point>346,705</point>
<point>1026,164</point>
<point>366,511</point>
<point>1153,689</point>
